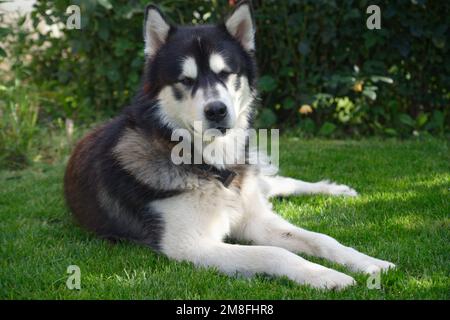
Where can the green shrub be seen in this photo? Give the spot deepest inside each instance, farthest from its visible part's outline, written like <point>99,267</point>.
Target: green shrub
<point>26,135</point>
<point>391,81</point>
<point>312,53</point>
<point>4,32</point>
<point>18,125</point>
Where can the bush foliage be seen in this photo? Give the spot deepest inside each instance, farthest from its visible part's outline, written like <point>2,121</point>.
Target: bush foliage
<point>321,68</point>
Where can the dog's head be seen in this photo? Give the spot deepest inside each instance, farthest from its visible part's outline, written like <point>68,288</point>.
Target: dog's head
<point>201,73</point>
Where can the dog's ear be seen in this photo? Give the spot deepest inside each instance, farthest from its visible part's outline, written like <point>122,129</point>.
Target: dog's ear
<point>241,26</point>
<point>156,30</point>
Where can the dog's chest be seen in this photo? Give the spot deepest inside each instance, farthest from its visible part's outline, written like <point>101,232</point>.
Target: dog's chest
<point>222,209</point>
<point>211,211</point>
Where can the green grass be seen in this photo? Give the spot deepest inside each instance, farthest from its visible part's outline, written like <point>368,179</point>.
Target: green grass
<point>402,215</point>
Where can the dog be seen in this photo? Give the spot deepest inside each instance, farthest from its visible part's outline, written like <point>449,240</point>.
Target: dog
<point>122,184</point>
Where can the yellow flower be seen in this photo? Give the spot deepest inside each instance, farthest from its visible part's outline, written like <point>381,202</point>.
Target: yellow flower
<point>305,109</point>
<point>358,86</point>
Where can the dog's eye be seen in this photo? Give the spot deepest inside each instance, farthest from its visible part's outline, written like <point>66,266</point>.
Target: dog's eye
<point>188,82</point>
<point>224,74</point>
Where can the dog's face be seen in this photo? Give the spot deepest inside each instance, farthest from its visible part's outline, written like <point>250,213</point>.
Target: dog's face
<point>201,73</point>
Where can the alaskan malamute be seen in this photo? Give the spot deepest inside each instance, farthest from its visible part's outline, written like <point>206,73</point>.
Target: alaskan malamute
<point>121,181</point>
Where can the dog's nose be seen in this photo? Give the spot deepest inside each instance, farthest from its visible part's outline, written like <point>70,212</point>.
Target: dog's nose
<point>215,111</point>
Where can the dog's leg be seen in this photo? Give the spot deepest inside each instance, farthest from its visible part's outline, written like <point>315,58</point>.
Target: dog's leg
<point>282,186</point>
<point>250,260</point>
<point>270,229</point>
<point>193,231</point>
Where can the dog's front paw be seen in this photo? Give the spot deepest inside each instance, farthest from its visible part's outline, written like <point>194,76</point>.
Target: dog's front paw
<point>379,266</point>
<point>334,189</point>
<point>328,279</point>
<point>332,280</point>
<point>373,266</point>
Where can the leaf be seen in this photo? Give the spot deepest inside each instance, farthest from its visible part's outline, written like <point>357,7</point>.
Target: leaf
<point>267,118</point>
<point>105,3</point>
<point>4,32</point>
<point>2,53</point>
<point>406,120</point>
<point>370,94</point>
<point>421,120</point>
<point>287,71</point>
<point>436,121</point>
<point>288,103</point>
<point>370,40</point>
<point>439,42</point>
<point>21,20</point>
<point>327,129</point>
<point>113,74</point>
<point>390,132</point>
<point>382,79</point>
<point>121,46</point>
<point>352,14</point>
<point>307,125</point>
<point>267,84</point>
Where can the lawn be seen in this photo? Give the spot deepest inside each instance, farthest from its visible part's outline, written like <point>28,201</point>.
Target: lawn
<point>402,215</point>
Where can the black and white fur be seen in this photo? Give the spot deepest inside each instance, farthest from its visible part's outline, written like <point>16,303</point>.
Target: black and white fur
<point>121,183</point>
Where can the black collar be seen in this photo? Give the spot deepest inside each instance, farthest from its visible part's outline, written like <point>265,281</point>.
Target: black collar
<point>225,176</point>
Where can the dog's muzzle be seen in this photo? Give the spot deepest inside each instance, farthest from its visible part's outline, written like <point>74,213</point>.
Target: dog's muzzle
<point>217,115</point>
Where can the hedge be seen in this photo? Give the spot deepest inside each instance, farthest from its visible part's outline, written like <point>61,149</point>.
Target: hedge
<point>321,68</point>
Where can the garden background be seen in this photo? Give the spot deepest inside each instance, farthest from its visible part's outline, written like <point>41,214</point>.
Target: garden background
<point>319,54</point>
